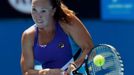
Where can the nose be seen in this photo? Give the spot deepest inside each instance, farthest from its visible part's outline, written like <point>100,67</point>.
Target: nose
<point>39,15</point>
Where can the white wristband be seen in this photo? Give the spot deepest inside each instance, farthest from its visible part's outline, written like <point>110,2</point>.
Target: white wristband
<point>62,73</point>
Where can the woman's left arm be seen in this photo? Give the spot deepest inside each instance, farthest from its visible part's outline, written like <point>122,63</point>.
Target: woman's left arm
<point>81,36</point>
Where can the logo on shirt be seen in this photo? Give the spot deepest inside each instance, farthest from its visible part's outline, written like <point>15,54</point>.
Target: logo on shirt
<point>61,45</point>
<point>23,6</point>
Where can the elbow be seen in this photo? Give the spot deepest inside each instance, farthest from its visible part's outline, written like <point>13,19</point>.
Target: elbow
<point>25,73</point>
<point>91,46</point>
<point>88,47</point>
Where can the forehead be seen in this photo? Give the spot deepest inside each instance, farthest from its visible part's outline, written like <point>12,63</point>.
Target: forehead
<point>41,3</point>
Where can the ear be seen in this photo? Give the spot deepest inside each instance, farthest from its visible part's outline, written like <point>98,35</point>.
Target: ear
<point>53,11</point>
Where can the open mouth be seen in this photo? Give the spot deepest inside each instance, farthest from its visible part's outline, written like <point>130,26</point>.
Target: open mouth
<point>40,21</point>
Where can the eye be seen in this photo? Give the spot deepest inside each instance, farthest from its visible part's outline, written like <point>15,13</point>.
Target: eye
<point>43,11</point>
<point>33,9</point>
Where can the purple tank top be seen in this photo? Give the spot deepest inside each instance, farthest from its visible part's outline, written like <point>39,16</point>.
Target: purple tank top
<point>56,53</point>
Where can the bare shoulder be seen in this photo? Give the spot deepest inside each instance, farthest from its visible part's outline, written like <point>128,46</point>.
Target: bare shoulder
<point>28,35</point>
<point>76,25</point>
<point>73,23</point>
<point>78,32</point>
<point>30,30</point>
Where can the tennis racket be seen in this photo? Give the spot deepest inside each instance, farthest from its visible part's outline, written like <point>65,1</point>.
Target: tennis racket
<point>113,64</point>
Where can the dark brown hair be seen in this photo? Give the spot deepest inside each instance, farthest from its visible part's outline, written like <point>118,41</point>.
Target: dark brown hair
<point>62,12</point>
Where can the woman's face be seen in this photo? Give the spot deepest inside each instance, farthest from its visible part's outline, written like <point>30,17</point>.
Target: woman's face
<point>42,12</point>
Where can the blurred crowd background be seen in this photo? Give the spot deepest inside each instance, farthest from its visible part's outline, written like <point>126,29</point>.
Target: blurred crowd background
<point>108,21</point>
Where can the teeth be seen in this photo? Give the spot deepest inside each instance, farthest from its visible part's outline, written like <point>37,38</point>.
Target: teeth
<point>40,22</point>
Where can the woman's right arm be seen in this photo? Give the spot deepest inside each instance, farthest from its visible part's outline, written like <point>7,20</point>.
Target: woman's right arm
<point>27,58</point>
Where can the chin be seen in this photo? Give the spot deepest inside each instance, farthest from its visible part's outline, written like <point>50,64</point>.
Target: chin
<point>39,25</point>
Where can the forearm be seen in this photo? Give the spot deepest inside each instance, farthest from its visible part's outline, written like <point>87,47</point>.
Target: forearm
<point>44,72</point>
<point>80,60</point>
<point>77,63</point>
<point>31,72</point>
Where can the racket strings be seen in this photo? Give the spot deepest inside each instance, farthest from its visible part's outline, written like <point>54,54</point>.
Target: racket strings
<point>113,64</point>
<point>107,65</point>
<point>112,61</point>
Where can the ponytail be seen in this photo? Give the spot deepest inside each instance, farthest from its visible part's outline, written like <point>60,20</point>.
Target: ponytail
<point>63,13</point>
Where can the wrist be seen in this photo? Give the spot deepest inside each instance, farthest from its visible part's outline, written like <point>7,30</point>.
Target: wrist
<point>43,71</point>
<point>64,73</point>
<point>74,64</point>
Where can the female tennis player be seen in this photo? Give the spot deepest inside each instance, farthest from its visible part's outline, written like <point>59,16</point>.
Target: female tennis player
<point>53,40</point>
